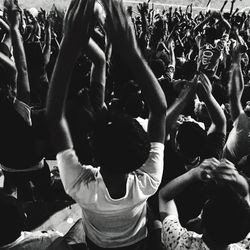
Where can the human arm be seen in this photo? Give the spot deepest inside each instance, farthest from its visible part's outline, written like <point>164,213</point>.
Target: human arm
<point>175,187</point>
<point>226,171</point>
<point>236,85</point>
<point>76,35</point>
<point>200,26</point>
<point>186,94</point>
<point>217,116</point>
<point>47,44</point>
<point>98,75</point>
<point>124,43</point>
<point>23,87</point>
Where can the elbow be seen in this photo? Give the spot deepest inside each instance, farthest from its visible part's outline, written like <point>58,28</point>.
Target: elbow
<point>162,195</point>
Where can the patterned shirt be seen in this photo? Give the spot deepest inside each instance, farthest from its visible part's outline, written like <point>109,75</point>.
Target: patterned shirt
<point>174,236</point>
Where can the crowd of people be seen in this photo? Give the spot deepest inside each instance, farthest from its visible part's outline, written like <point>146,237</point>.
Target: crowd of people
<point>147,113</point>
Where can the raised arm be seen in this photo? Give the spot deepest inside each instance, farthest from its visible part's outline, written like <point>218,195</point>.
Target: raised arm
<point>200,26</point>
<point>98,75</point>
<point>170,191</point>
<point>47,44</point>
<point>217,116</point>
<point>23,87</point>
<point>76,35</point>
<point>186,95</point>
<point>236,85</point>
<point>124,43</point>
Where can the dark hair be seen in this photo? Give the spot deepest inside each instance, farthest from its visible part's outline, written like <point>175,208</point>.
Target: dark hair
<point>191,139</point>
<point>226,216</point>
<point>12,219</point>
<point>120,144</point>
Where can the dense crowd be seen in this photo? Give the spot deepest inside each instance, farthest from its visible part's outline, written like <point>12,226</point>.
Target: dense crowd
<point>147,113</point>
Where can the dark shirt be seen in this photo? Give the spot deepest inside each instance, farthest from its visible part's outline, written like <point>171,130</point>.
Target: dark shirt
<point>18,147</point>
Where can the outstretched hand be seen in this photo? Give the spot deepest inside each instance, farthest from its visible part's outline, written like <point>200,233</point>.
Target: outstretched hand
<point>120,28</point>
<point>77,23</point>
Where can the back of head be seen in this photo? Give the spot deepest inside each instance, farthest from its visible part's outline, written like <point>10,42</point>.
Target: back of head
<point>191,139</point>
<point>120,144</point>
<point>226,216</point>
<point>12,219</point>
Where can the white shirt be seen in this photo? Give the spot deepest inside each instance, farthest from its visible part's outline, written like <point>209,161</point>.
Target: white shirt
<point>174,236</point>
<point>112,222</point>
<point>238,142</point>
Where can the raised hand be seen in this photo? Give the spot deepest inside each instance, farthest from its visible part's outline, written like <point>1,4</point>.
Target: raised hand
<point>205,171</point>
<point>120,28</point>
<point>77,23</point>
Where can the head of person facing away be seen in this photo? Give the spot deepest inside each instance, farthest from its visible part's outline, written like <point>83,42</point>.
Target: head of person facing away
<point>191,140</point>
<point>120,144</point>
<point>225,216</point>
<point>12,219</point>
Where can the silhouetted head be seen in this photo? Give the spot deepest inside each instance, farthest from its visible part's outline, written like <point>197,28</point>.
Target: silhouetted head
<point>226,216</point>
<point>120,144</point>
<point>191,139</point>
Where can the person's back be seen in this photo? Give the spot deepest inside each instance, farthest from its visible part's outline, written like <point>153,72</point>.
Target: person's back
<point>113,198</point>
<point>224,221</point>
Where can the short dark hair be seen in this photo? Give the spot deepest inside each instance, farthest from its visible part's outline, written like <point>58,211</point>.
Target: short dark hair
<point>12,219</point>
<point>120,144</point>
<point>191,139</point>
<point>226,216</point>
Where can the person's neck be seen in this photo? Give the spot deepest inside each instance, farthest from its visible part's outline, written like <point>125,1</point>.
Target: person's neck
<point>115,183</point>
<point>212,245</point>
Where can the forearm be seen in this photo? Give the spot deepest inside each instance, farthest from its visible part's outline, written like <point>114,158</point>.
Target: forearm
<point>216,114</point>
<point>97,91</point>
<point>56,100</point>
<point>47,47</point>
<point>172,60</point>
<point>177,185</point>
<point>179,105</point>
<point>59,84</point>
<point>23,88</point>
<point>200,25</point>
<point>242,184</point>
<point>235,88</point>
<point>151,89</point>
